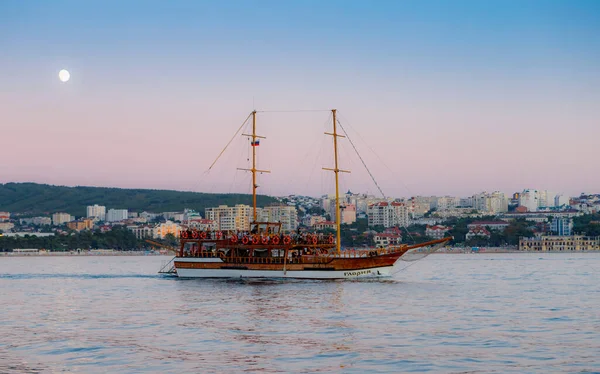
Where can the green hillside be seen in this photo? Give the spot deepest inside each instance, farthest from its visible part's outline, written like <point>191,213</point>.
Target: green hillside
<point>43,199</point>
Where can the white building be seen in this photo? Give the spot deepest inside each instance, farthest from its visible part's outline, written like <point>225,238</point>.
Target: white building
<point>477,232</point>
<point>546,199</point>
<point>388,214</point>
<point>96,211</point>
<point>445,203</point>
<point>142,232</point>
<point>437,231</point>
<point>494,203</point>
<point>6,226</point>
<point>287,215</point>
<point>561,201</point>
<point>116,215</point>
<point>163,229</point>
<point>493,225</point>
<point>61,218</point>
<point>231,218</point>
<point>385,239</point>
<point>530,200</point>
<point>203,224</point>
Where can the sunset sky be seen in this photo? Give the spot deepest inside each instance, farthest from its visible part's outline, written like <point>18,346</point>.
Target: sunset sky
<point>439,97</point>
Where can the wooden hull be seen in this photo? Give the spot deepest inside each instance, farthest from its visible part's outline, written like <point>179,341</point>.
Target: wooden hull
<point>335,268</point>
<point>349,265</point>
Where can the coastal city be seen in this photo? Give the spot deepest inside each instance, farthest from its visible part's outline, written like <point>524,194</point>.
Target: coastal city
<point>530,220</point>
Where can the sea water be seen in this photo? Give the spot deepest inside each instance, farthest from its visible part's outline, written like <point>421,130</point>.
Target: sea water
<point>453,313</point>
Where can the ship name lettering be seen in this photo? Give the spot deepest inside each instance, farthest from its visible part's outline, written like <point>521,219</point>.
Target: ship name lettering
<point>356,273</point>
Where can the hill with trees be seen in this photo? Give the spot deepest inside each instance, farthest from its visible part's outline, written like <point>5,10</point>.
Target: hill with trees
<point>33,199</point>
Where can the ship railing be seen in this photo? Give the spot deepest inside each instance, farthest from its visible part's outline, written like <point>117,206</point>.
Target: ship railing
<point>278,260</point>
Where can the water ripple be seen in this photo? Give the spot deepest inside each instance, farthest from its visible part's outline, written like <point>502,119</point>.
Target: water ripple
<point>495,313</point>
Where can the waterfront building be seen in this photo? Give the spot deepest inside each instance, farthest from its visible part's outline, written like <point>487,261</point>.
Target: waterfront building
<point>161,230</point>
<point>116,215</point>
<point>143,231</point>
<point>4,216</point>
<point>81,224</point>
<point>562,226</point>
<point>96,211</point>
<point>61,218</point>
<point>560,243</point>
<point>437,231</point>
<point>233,218</point>
<point>477,232</point>
<point>385,239</point>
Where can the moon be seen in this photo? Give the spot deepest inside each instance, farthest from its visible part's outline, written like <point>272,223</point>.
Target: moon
<point>64,75</point>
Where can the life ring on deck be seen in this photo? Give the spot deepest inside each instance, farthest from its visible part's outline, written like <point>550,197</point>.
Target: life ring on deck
<point>314,239</point>
<point>233,239</point>
<point>330,239</point>
<point>184,234</point>
<point>245,240</point>
<point>287,240</point>
<point>275,240</point>
<point>264,239</point>
<point>195,234</point>
<point>219,234</point>
<point>203,235</point>
<point>255,239</point>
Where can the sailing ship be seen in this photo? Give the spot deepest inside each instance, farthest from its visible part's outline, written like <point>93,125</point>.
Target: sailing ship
<point>265,251</point>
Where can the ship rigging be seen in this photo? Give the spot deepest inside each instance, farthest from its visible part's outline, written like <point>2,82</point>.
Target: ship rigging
<point>266,251</point>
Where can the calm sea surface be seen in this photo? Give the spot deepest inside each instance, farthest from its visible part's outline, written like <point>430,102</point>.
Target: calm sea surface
<point>501,313</point>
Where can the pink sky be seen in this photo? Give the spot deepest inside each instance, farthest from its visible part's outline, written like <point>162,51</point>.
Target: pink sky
<point>478,102</point>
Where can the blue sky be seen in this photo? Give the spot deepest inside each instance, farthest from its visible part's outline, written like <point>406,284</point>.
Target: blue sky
<point>483,94</point>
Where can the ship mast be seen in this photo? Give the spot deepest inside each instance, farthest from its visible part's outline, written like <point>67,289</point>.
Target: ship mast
<point>336,170</point>
<point>254,143</point>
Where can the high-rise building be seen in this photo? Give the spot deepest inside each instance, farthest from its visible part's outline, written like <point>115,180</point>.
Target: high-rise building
<point>61,218</point>
<point>231,218</point>
<point>562,226</point>
<point>561,201</point>
<point>116,215</point>
<point>530,200</point>
<point>96,211</point>
<point>287,215</point>
<point>388,214</point>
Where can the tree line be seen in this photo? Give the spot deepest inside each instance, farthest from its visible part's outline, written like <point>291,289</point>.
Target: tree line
<point>32,199</point>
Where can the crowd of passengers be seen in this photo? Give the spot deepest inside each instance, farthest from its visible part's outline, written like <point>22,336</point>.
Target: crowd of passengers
<point>296,238</point>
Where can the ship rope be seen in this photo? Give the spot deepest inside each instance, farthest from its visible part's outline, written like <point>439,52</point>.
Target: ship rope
<point>231,140</point>
<point>369,171</point>
<point>361,159</point>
